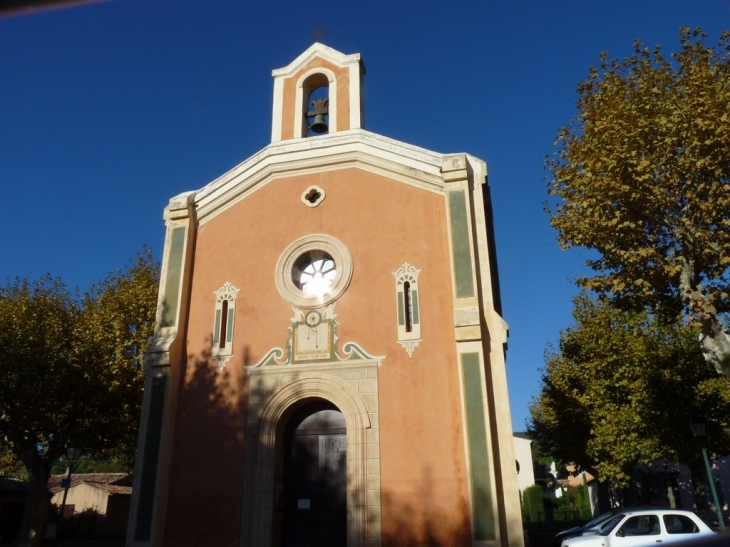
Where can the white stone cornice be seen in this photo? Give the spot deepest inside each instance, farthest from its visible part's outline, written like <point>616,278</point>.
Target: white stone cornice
<point>354,148</point>
<point>317,49</point>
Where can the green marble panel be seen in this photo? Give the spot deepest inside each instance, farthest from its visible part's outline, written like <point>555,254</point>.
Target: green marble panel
<point>229,327</point>
<point>481,487</point>
<point>174,275</point>
<point>217,329</point>
<point>460,242</point>
<point>416,318</point>
<point>401,311</point>
<point>153,438</point>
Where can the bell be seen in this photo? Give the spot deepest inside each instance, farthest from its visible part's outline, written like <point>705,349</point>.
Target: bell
<point>320,110</point>
<point>319,125</point>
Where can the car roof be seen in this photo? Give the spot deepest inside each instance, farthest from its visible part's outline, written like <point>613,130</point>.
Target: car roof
<point>655,510</point>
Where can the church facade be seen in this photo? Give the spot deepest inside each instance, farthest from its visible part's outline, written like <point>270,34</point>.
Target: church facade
<point>328,366</point>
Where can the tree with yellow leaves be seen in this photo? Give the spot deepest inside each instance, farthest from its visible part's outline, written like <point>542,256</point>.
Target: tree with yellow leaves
<point>71,371</point>
<point>621,388</point>
<point>642,176</point>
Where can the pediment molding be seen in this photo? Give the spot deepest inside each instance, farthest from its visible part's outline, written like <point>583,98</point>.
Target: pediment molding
<point>320,50</point>
<point>356,148</point>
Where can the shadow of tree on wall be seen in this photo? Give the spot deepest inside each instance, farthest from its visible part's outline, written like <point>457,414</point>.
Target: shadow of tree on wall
<point>206,504</point>
<point>91,524</point>
<point>409,524</point>
<point>207,462</point>
<point>413,518</point>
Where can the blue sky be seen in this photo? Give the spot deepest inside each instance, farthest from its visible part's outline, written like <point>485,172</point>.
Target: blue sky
<point>109,109</point>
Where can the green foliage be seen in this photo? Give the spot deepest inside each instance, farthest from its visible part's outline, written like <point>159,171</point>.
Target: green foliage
<point>642,176</point>
<point>89,465</point>
<point>43,392</point>
<point>622,388</point>
<point>113,330</point>
<point>532,503</point>
<point>72,371</point>
<point>573,504</point>
<point>563,512</point>
<point>583,503</point>
<point>42,388</point>
<point>10,464</point>
<point>560,471</point>
<point>538,507</point>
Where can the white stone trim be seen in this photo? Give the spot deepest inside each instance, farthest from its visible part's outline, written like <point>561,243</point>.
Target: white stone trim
<point>317,49</point>
<point>228,293</point>
<point>353,148</point>
<point>222,361</point>
<point>501,434</point>
<point>176,215</point>
<point>277,111</point>
<point>409,345</point>
<point>356,100</point>
<point>408,340</point>
<point>458,180</point>
<point>308,191</point>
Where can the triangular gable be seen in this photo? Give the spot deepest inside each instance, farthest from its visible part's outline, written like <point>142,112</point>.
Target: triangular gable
<point>317,49</point>
<point>355,148</point>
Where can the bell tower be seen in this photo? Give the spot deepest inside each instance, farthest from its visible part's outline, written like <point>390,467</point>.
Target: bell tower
<point>319,93</point>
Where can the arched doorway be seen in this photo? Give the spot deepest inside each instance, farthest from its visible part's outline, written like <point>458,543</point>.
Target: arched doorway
<point>261,522</point>
<point>314,496</point>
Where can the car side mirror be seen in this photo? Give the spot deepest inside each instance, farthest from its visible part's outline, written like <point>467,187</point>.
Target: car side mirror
<point>620,533</point>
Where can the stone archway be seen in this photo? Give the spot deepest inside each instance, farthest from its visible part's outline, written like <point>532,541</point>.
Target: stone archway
<point>279,396</point>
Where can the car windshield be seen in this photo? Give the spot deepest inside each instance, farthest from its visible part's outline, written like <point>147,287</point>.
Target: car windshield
<point>608,527</point>
<point>596,522</point>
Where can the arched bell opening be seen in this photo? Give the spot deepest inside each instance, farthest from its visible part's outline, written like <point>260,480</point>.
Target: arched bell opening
<point>316,92</point>
<point>310,501</point>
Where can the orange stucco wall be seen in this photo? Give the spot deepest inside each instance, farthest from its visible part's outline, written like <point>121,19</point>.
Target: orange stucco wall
<point>383,223</point>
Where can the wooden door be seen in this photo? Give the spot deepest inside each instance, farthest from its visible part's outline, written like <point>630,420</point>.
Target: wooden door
<point>315,480</point>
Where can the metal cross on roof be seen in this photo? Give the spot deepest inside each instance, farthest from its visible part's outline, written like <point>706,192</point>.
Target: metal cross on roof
<point>317,35</point>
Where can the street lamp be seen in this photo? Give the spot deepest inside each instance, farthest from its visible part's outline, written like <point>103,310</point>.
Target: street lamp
<point>699,430</point>
<point>73,453</point>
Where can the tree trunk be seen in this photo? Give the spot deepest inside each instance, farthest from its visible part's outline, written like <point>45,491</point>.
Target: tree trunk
<point>714,341</point>
<point>716,345</point>
<point>33,525</point>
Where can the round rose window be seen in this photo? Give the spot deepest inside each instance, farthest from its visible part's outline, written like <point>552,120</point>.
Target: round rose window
<point>314,271</point>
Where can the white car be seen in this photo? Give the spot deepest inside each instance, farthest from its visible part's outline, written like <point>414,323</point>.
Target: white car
<point>639,528</point>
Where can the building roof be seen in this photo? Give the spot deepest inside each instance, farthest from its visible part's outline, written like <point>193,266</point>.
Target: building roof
<point>111,489</point>
<point>9,484</point>
<point>111,483</point>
